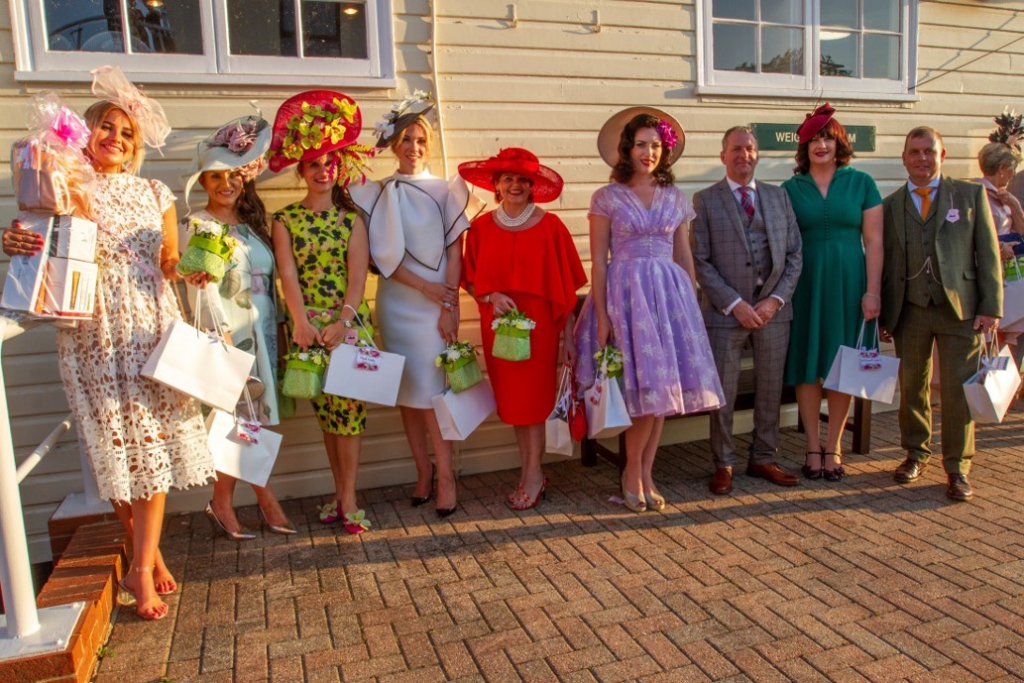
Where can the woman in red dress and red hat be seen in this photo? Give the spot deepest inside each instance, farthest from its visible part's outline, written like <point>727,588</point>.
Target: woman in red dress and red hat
<point>839,211</point>
<point>320,245</point>
<point>522,257</point>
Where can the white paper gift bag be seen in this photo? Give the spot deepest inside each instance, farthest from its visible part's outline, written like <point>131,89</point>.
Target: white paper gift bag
<point>1013,300</point>
<point>364,373</point>
<point>239,457</point>
<point>991,390</point>
<point>864,372</point>
<point>607,415</point>
<point>557,437</point>
<point>459,414</point>
<point>201,365</point>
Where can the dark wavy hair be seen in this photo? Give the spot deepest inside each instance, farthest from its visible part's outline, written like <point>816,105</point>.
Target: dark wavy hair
<point>834,131</point>
<point>623,171</point>
<point>252,211</point>
<point>339,194</point>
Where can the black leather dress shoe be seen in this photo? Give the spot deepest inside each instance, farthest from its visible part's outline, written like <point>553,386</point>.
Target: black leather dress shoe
<point>909,471</point>
<point>959,488</point>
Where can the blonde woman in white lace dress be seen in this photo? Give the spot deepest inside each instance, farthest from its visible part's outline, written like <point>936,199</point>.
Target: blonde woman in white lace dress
<point>140,437</point>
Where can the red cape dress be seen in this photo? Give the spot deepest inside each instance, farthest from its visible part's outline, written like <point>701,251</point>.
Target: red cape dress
<point>540,270</point>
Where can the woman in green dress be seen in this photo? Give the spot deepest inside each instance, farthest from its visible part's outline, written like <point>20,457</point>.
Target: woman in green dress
<point>245,300</point>
<point>323,259</point>
<point>839,211</point>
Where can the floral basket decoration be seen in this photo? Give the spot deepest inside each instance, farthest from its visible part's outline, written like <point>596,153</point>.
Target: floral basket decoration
<point>209,250</point>
<point>304,373</point>
<point>512,336</point>
<point>460,364</point>
<point>609,362</point>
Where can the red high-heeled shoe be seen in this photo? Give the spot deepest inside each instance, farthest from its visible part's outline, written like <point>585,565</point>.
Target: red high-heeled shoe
<point>520,500</point>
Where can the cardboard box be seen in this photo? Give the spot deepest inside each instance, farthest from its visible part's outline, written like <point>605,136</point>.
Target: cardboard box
<point>64,237</point>
<point>69,288</point>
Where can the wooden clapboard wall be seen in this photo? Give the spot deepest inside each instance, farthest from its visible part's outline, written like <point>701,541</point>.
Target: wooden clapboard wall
<point>548,84</point>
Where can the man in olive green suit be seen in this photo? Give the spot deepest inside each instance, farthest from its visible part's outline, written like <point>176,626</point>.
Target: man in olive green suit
<point>941,284</point>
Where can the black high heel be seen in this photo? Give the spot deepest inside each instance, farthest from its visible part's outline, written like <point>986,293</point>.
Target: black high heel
<point>833,474</point>
<point>417,501</point>
<point>811,472</point>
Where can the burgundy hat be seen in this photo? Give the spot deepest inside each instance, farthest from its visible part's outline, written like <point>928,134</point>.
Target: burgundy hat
<point>311,124</point>
<point>547,184</point>
<point>814,122</point>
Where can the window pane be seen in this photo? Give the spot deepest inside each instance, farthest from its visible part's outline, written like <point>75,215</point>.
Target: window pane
<point>881,15</point>
<point>159,26</point>
<point>782,11</point>
<point>166,26</point>
<point>262,27</point>
<point>782,50</point>
<point>333,29</point>
<point>735,47</point>
<point>839,54</point>
<point>881,57</point>
<point>734,9</point>
<point>840,13</point>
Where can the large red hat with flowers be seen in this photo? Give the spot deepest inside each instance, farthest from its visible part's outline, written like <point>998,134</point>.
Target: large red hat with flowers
<point>547,184</point>
<point>311,124</point>
<point>814,122</point>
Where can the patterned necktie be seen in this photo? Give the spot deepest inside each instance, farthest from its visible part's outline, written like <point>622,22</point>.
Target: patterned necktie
<point>925,193</point>
<point>746,201</point>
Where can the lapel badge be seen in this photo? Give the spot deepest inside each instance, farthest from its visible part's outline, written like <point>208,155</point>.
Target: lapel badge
<point>953,216</point>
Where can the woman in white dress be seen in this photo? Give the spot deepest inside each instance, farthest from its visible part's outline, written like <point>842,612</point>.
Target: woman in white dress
<point>227,165</point>
<point>415,222</point>
<point>140,438</point>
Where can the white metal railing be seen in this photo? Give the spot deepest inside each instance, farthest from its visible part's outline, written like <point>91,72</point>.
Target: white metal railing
<point>28,629</point>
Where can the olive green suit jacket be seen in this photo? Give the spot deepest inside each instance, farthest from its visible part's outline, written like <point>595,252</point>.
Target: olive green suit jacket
<point>967,251</point>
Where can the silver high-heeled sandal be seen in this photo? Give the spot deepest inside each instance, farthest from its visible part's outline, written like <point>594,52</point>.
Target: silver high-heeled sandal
<point>632,501</point>
<point>242,534</point>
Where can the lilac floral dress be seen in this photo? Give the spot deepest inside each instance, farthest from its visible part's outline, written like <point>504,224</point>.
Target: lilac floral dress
<point>656,321</point>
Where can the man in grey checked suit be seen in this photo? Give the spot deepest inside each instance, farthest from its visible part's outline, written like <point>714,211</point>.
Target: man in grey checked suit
<point>748,259</point>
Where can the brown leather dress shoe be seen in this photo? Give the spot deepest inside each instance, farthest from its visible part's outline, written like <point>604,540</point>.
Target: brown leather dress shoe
<point>773,473</point>
<point>959,488</point>
<point>721,482</point>
<point>909,471</point>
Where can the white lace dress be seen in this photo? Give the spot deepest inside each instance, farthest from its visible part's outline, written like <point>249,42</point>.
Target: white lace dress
<point>140,437</point>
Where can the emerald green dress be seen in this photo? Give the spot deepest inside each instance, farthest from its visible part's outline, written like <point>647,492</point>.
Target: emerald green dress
<point>320,247</point>
<point>827,301</point>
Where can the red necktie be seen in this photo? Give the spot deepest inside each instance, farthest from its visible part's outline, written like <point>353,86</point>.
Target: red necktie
<point>746,202</point>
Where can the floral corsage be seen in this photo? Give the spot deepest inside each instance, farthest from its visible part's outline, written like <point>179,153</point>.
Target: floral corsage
<point>512,336</point>
<point>460,364</point>
<point>304,372</point>
<point>209,250</point>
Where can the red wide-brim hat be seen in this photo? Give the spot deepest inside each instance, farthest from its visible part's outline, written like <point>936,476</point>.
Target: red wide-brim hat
<point>293,107</point>
<point>814,122</point>
<point>547,184</point>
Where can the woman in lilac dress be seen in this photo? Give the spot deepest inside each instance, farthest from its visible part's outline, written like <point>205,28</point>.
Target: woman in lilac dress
<point>643,299</point>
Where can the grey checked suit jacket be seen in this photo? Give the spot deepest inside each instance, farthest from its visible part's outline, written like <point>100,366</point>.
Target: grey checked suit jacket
<point>722,257</point>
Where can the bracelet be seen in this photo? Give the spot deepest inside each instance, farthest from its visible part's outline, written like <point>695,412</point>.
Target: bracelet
<point>874,296</point>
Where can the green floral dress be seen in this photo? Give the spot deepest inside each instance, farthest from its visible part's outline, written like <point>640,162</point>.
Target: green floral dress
<point>320,247</point>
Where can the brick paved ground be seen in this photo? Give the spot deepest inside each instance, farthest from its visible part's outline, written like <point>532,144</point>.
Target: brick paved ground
<point>859,581</point>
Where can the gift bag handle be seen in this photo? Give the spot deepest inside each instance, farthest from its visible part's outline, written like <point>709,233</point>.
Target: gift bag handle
<point>218,323</point>
<point>989,350</point>
<point>359,321</point>
<point>860,337</point>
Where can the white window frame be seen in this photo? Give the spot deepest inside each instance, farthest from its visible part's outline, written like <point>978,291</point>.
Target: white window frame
<point>810,83</point>
<point>216,66</point>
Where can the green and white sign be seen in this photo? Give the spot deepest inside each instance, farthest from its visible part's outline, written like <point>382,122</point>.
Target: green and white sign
<point>782,136</point>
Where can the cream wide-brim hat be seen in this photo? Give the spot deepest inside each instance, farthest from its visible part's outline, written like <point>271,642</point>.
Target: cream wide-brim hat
<point>219,158</point>
<point>611,132</point>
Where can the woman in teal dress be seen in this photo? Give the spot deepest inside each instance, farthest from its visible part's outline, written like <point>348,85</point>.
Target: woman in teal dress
<point>245,300</point>
<point>839,211</point>
<point>323,258</point>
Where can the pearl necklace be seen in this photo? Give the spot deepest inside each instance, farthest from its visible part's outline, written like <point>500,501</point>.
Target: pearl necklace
<point>509,222</point>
